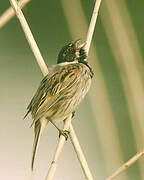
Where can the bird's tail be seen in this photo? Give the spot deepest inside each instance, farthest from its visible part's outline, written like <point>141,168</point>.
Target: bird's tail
<point>40,126</point>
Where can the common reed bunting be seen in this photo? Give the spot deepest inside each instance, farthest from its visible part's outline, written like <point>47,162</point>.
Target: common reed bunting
<point>60,91</point>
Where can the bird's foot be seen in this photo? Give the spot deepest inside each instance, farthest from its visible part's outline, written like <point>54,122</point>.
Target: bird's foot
<point>64,133</point>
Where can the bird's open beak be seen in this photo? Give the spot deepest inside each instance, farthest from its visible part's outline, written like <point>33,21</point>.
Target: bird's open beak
<point>77,44</point>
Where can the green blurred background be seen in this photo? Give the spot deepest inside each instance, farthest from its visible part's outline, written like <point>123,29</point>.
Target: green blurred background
<point>109,123</point>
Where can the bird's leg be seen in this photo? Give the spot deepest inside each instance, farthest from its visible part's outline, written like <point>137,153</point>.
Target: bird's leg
<point>73,114</point>
<point>61,132</point>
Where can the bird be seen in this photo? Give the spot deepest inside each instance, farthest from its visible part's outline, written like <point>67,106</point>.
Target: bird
<point>60,91</point>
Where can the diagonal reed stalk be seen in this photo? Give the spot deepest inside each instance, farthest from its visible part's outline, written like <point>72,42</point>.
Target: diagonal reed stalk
<point>126,165</point>
<point>10,13</point>
<point>29,37</point>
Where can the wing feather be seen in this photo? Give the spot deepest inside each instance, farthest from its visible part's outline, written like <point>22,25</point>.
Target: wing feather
<point>52,87</point>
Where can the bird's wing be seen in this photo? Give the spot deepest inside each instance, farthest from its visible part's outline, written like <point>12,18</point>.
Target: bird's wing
<point>52,87</point>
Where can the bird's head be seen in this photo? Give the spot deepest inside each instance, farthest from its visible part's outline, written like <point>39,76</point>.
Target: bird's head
<point>71,52</point>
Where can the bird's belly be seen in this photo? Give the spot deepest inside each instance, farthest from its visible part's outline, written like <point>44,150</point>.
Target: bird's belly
<point>68,102</point>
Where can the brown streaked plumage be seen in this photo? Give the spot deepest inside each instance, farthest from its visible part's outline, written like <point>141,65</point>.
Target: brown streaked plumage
<point>60,91</point>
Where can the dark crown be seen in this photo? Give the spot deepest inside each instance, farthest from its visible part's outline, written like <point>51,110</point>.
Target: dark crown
<point>71,52</point>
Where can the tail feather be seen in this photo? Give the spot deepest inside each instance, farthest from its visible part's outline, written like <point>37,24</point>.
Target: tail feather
<point>26,114</point>
<point>40,126</point>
